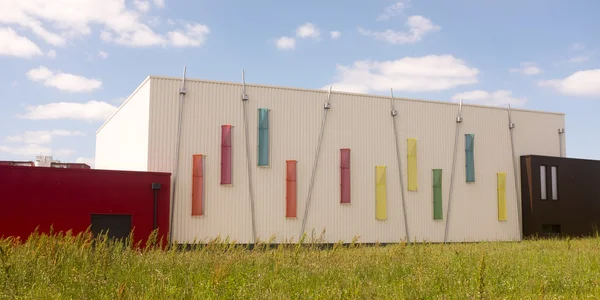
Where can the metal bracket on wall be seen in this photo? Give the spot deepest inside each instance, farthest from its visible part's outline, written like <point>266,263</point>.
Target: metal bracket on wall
<point>182,92</point>
<point>459,120</point>
<point>394,113</point>
<point>247,135</point>
<point>326,108</point>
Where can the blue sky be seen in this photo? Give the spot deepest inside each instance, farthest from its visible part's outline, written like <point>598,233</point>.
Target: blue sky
<point>65,69</point>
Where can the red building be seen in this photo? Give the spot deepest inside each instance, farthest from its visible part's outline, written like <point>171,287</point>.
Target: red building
<point>75,199</point>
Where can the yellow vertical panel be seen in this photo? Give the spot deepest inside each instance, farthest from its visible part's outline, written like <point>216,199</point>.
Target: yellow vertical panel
<point>412,164</point>
<point>502,196</point>
<point>380,193</point>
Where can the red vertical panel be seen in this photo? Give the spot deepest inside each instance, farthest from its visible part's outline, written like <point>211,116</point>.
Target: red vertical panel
<point>197,186</point>
<point>290,189</point>
<point>226,154</point>
<point>345,176</point>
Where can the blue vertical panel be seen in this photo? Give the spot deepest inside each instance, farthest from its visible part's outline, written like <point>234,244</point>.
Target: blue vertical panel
<point>470,160</point>
<point>263,137</point>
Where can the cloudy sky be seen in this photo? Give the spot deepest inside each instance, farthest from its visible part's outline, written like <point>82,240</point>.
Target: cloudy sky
<point>65,66</point>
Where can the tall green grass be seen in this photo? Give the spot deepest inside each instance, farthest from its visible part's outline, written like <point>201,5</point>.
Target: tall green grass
<point>66,266</point>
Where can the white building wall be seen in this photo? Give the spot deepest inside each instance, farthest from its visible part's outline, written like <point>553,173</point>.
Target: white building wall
<point>361,123</point>
<point>122,141</point>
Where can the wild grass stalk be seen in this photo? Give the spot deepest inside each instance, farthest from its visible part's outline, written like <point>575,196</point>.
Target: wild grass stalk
<point>74,266</point>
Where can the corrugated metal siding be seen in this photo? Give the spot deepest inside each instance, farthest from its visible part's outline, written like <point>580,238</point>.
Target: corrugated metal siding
<point>122,142</point>
<point>361,123</point>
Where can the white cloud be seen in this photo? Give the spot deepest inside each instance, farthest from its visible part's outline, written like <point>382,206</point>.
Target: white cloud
<point>159,3</point>
<point>59,21</point>
<point>103,55</point>
<point>308,30</point>
<point>38,74</point>
<point>426,73</point>
<point>418,27</point>
<point>527,68</point>
<point>577,46</point>
<point>63,81</point>
<point>497,98</point>
<point>41,137</point>
<point>392,11</point>
<point>32,150</point>
<point>335,34</point>
<point>90,161</point>
<point>579,59</point>
<point>194,36</point>
<point>582,83</point>
<point>90,111</point>
<point>142,5</point>
<point>14,139</point>
<point>51,53</point>
<point>285,43</point>
<point>12,44</point>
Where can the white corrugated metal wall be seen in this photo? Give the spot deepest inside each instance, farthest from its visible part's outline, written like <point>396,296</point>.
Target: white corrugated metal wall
<point>359,122</point>
<point>122,141</point>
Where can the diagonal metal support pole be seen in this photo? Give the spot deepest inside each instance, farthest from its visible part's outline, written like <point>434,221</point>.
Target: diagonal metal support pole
<point>182,92</point>
<point>326,108</point>
<point>459,120</point>
<point>511,127</point>
<point>394,113</point>
<point>245,99</point>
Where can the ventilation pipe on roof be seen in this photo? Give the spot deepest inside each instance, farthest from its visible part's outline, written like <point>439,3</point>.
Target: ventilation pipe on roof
<point>182,92</point>
<point>561,132</point>
<point>394,113</point>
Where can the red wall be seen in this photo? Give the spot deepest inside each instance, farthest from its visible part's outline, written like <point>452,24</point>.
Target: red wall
<point>66,198</point>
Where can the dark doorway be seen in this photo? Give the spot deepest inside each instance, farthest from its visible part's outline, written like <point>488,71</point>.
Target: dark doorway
<point>115,226</point>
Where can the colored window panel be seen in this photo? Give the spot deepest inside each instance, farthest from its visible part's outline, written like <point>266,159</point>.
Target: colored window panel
<point>263,137</point>
<point>226,154</point>
<point>502,196</point>
<point>345,189</point>
<point>291,189</point>
<point>198,185</point>
<point>470,160</point>
<point>412,164</point>
<point>380,193</point>
<point>437,194</point>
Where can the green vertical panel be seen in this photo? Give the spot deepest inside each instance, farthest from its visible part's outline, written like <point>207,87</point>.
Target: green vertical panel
<point>263,137</point>
<point>437,194</point>
<point>470,160</point>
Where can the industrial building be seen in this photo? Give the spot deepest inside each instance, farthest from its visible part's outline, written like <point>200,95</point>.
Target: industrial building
<point>45,161</point>
<point>561,196</point>
<point>254,162</point>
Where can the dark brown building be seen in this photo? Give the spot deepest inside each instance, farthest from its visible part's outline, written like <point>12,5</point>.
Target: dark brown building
<point>560,196</point>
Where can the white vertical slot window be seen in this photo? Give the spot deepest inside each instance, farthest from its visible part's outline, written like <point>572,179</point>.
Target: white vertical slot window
<point>553,173</point>
<point>544,196</point>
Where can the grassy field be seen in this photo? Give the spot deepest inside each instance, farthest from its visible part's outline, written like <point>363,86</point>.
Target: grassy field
<point>69,267</point>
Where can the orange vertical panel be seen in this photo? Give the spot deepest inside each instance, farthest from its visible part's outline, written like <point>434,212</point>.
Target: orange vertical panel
<point>290,189</point>
<point>345,176</point>
<point>226,154</point>
<point>198,185</point>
